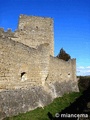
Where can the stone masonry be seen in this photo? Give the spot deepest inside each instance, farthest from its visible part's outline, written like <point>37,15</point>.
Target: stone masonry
<point>30,75</point>
<point>33,31</point>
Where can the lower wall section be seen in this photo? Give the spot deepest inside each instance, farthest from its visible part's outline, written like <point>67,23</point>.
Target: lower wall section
<point>13,102</point>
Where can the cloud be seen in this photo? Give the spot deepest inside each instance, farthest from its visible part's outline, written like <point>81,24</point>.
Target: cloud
<point>81,67</point>
<point>88,71</point>
<point>88,67</point>
<point>81,70</point>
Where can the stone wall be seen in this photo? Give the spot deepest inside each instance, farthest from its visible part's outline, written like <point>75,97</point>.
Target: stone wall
<point>33,31</point>
<point>62,76</point>
<point>31,78</point>
<point>14,102</point>
<point>61,70</point>
<point>20,63</point>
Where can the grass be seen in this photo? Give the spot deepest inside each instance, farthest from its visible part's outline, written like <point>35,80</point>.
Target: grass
<point>56,106</point>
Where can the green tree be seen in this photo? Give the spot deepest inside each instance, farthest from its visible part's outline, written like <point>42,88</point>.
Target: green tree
<point>63,55</point>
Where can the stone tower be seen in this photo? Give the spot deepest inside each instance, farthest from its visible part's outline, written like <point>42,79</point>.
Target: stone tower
<point>33,31</point>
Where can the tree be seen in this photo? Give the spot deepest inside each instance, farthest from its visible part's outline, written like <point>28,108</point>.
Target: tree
<point>63,55</point>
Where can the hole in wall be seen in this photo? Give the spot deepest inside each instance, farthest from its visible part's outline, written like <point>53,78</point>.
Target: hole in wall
<point>68,74</point>
<point>23,76</point>
<point>36,27</point>
<point>23,73</point>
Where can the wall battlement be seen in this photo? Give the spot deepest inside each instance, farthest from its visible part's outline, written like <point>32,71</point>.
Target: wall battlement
<point>28,69</point>
<point>6,34</point>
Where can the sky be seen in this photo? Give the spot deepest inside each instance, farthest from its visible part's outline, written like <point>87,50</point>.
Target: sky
<point>71,24</point>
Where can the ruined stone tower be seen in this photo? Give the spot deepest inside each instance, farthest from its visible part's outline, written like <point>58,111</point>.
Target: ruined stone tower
<point>33,31</point>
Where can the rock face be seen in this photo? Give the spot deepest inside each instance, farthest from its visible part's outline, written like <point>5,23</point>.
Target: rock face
<point>29,74</point>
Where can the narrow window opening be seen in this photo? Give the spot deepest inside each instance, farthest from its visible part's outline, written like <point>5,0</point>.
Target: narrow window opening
<point>23,76</point>
<point>68,74</point>
<point>36,27</point>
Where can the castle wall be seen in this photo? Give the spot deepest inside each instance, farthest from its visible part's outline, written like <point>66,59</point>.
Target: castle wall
<point>29,76</point>
<point>60,70</point>
<point>62,76</point>
<point>13,102</point>
<point>33,31</point>
<point>21,65</point>
<point>7,34</point>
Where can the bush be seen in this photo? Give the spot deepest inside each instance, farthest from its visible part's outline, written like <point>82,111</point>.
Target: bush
<point>63,55</point>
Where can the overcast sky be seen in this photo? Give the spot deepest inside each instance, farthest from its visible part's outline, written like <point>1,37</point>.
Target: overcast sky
<point>71,24</point>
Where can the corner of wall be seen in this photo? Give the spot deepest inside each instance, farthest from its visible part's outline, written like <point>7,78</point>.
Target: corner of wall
<point>73,63</point>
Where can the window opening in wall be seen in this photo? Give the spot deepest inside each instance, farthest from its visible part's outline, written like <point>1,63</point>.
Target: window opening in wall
<point>23,73</point>
<point>68,74</point>
<point>36,27</point>
<point>23,76</point>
